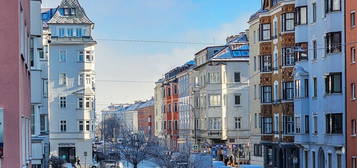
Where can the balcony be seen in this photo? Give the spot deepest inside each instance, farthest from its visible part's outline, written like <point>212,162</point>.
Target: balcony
<point>71,40</point>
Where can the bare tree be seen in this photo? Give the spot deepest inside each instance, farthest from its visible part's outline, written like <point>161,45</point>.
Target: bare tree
<point>136,147</point>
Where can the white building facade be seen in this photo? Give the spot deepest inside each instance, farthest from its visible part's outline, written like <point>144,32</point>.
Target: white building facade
<point>158,108</point>
<point>319,83</point>
<point>222,78</point>
<point>71,83</point>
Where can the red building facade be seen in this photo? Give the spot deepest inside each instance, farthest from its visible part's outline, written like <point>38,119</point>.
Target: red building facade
<point>15,113</point>
<point>146,117</point>
<point>171,112</point>
<point>351,82</point>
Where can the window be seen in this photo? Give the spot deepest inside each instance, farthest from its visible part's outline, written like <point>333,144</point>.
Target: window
<point>301,51</point>
<point>353,127</point>
<point>237,77</point>
<point>288,124</point>
<point>353,91</point>
<point>88,79</point>
<point>267,94</point>
<point>307,124</point>
<point>45,87</point>
<point>63,103</point>
<point>297,88</point>
<point>314,49</point>
<point>332,5</point>
<point>88,101</point>
<point>333,83</point>
<point>61,32</point>
<point>214,123</point>
<point>313,160</point>
<point>333,42</point>
<point>80,56</point>
<point>87,125</point>
<point>334,123</point>
<point>255,63</point>
<point>306,160</point>
<point>164,125</point>
<point>288,90</point>
<point>237,123</point>
<point>267,125</point>
<point>269,155</point>
<point>315,125</point>
<point>80,103</point>
<point>63,79</point>
<point>89,56</point>
<point>258,150</point>
<point>353,55</point>
<point>276,123</point>
<point>265,63</point>
<point>275,29</point>
<point>214,100</point>
<point>79,32</point>
<point>80,125</point>
<point>62,55</point>
<point>81,80</point>
<point>301,15</point>
<point>265,32</point>
<point>237,99</point>
<point>339,160</point>
<point>275,61</point>
<point>63,126</point>
<point>314,12</point>
<point>276,90</point>
<point>69,32</point>
<point>44,123</point>
<point>353,19</point>
<point>214,77</point>
<point>306,88</point>
<point>297,125</point>
<point>175,107</point>
<point>288,56</point>
<point>315,87</point>
<point>255,92</point>
<point>329,157</point>
<point>67,11</point>
<point>175,125</point>
<point>354,162</point>
<point>287,22</point>
<point>256,120</point>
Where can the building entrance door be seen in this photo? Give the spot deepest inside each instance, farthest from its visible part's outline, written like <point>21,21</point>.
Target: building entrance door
<point>68,154</point>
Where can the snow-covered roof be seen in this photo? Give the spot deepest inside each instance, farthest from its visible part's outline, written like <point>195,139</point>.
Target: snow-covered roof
<point>79,17</point>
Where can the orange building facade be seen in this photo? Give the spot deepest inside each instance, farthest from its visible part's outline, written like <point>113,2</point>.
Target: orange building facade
<point>171,112</point>
<point>351,80</point>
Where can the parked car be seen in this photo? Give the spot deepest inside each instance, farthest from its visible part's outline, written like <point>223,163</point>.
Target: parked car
<point>109,164</point>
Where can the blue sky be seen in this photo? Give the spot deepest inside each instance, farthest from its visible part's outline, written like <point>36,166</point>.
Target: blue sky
<point>204,21</point>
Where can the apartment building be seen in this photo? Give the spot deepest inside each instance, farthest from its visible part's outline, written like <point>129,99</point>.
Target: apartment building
<point>256,151</point>
<point>351,71</point>
<point>146,117</point>
<point>15,113</point>
<point>186,109</point>
<point>276,64</point>
<point>319,79</point>
<point>158,108</point>
<point>222,76</point>
<point>71,82</point>
<point>39,90</point>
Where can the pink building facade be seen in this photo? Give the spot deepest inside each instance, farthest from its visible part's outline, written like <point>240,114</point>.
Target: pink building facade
<point>15,84</point>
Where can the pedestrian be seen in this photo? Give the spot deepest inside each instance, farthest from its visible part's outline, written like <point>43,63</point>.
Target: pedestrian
<point>78,162</point>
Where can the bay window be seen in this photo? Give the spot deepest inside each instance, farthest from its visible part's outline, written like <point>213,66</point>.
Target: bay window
<point>214,100</point>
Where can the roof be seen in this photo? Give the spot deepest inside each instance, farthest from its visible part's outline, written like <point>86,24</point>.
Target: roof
<point>79,18</point>
<point>227,53</point>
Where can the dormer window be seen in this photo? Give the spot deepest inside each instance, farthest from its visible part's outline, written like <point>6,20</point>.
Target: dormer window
<point>67,11</point>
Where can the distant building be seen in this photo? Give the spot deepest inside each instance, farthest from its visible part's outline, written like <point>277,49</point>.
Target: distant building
<point>159,108</point>
<point>222,77</point>
<point>71,81</point>
<point>39,90</point>
<point>146,117</point>
<point>15,107</point>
